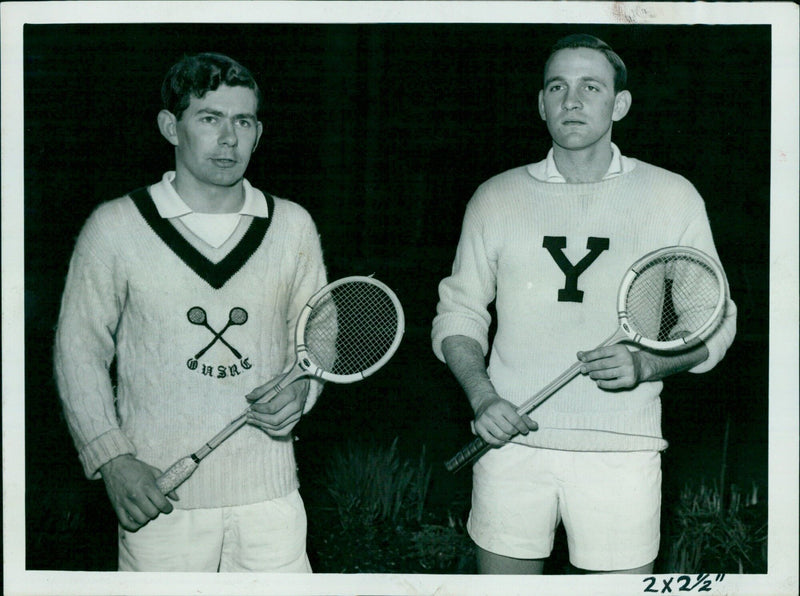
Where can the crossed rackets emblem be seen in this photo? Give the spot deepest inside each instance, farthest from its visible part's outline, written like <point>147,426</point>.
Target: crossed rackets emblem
<point>197,316</point>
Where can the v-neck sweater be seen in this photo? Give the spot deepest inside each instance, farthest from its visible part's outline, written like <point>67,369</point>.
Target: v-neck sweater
<point>191,336</point>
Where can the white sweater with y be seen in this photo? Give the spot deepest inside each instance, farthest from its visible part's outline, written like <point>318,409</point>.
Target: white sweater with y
<point>515,231</point>
<point>191,334</point>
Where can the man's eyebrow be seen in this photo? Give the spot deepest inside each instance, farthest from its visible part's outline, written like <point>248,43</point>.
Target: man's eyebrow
<point>594,80</point>
<point>590,79</point>
<point>209,111</point>
<point>213,112</point>
<point>552,79</point>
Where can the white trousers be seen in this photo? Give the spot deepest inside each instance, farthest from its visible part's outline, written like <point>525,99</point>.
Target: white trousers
<point>609,503</point>
<point>265,537</point>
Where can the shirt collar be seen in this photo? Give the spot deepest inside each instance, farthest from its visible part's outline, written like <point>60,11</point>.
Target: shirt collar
<point>546,170</point>
<point>169,203</point>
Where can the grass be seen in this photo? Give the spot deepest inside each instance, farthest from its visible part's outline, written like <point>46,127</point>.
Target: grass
<point>379,519</point>
<point>443,547</point>
<point>709,532</point>
<point>371,484</point>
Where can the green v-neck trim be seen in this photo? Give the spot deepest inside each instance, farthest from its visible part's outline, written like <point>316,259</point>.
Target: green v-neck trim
<point>215,274</point>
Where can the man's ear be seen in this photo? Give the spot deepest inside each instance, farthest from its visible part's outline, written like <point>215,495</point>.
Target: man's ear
<point>622,103</point>
<point>542,113</point>
<point>168,126</point>
<point>259,132</point>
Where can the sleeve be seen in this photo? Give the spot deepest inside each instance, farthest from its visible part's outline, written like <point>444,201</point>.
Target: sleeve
<point>698,235</point>
<point>465,295</point>
<point>310,276</point>
<point>84,348</point>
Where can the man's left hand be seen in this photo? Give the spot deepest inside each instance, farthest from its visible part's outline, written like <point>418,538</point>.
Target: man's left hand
<point>613,367</point>
<point>278,416</point>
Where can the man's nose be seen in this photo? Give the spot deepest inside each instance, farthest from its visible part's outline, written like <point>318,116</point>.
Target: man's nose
<point>572,100</point>
<point>227,134</point>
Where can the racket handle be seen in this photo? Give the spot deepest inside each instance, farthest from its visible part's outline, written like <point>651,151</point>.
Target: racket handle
<point>177,473</point>
<point>185,467</point>
<point>469,453</point>
<point>550,389</point>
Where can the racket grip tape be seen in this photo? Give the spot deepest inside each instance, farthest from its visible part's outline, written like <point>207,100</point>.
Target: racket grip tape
<point>472,451</point>
<point>177,473</point>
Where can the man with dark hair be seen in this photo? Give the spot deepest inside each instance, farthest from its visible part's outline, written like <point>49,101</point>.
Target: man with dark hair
<point>194,75</point>
<point>548,243</point>
<point>193,286</point>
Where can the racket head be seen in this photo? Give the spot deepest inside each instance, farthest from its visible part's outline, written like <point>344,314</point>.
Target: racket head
<point>671,298</point>
<point>349,329</point>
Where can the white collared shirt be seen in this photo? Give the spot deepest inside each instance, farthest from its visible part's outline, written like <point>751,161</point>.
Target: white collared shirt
<point>212,228</point>
<point>546,170</point>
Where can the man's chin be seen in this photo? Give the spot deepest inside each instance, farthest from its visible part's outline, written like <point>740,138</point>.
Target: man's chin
<point>575,142</point>
<point>227,178</point>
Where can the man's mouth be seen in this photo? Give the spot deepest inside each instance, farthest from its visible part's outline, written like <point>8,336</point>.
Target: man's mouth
<point>224,162</point>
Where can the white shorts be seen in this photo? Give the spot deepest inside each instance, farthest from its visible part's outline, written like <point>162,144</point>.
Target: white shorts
<point>610,504</point>
<point>267,537</point>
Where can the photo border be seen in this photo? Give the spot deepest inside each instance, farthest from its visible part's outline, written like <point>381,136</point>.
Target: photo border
<point>782,576</point>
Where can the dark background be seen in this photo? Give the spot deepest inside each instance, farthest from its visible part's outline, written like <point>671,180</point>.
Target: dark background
<point>383,132</point>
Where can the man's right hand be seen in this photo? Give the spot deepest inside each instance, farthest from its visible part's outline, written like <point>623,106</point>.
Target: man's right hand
<point>497,421</point>
<point>132,489</point>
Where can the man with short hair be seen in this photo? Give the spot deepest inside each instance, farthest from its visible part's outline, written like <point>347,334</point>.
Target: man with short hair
<point>549,242</point>
<point>193,286</point>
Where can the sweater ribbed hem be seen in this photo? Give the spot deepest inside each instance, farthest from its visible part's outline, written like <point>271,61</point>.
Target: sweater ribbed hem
<point>577,439</point>
<point>249,467</point>
<point>616,430</point>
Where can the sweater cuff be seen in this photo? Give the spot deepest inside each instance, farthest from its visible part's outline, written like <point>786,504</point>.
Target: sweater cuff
<point>103,449</point>
<point>716,350</point>
<point>719,341</point>
<point>445,326</point>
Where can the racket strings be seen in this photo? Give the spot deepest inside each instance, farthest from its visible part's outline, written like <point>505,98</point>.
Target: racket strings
<point>351,328</point>
<point>672,296</point>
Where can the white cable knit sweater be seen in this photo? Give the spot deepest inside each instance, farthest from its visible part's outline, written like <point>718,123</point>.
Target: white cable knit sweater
<point>515,230</point>
<point>191,336</point>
